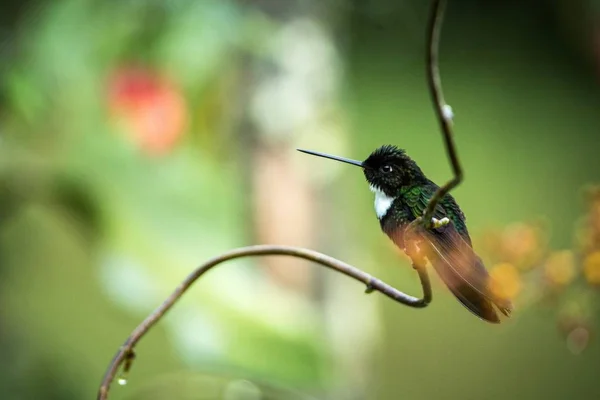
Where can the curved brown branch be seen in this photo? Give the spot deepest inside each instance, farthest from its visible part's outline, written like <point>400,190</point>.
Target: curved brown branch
<point>435,87</point>
<point>125,354</point>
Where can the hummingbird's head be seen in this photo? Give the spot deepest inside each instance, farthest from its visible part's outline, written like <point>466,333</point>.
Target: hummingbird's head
<point>387,169</point>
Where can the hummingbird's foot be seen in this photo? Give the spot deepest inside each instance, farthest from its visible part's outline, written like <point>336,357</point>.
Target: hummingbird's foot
<point>438,223</point>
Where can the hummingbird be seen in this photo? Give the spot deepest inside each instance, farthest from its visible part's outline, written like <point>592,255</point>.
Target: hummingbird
<point>402,192</point>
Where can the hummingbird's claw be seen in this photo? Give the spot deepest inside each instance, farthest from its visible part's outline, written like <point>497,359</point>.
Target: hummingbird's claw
<point>438,223</point>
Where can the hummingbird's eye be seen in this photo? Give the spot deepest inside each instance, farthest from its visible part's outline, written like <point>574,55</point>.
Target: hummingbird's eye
<point>386,169</point>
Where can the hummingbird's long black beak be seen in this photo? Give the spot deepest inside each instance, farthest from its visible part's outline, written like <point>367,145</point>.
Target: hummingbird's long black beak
<point>342,159</point>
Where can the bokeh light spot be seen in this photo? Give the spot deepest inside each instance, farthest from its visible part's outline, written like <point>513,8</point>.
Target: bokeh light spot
<point>591,268</point>
<point>560,267</point>
<point>578,340</point>
<point>506,281</point>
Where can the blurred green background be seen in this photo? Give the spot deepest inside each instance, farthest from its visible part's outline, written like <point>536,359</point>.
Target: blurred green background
<point>138,138</point>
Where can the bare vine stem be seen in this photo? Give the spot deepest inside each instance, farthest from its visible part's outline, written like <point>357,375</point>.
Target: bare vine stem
<point>441,108</point>
<point>125,354</point>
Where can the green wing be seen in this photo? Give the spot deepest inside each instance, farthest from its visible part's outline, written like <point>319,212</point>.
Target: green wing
<point>418,197</point>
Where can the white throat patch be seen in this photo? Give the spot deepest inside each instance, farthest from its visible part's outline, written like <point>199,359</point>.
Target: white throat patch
<point>382,202</point>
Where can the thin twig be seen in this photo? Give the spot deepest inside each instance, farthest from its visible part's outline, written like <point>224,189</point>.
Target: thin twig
<point>435,87</point>
<point>125,354</point>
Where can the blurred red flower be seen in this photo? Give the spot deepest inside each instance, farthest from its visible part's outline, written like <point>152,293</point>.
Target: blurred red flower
<point>150,107</point>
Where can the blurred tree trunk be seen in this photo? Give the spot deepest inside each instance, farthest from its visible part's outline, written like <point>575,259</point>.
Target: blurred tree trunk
<point>292,96</point>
